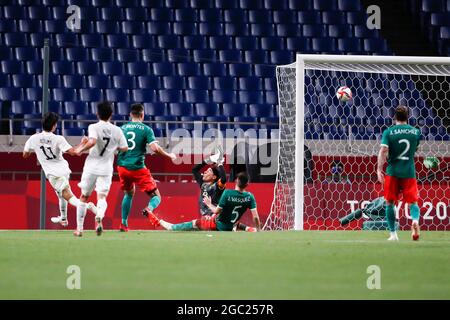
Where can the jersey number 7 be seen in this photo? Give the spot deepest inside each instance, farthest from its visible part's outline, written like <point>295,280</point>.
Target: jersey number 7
<point>107,139</point>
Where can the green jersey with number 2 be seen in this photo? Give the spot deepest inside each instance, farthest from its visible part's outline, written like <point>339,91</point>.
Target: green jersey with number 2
<point>402,141</point>
<point>138,135</point>
<point>233,204</point>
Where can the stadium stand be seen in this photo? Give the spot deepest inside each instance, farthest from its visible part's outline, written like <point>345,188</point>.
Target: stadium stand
<point>202,59</point>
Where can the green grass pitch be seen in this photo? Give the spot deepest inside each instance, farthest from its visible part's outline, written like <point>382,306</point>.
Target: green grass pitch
<point>223,265</point>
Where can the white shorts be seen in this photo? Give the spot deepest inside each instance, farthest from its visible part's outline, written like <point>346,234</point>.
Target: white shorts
<point>89,181</point>
<point>59,183</point>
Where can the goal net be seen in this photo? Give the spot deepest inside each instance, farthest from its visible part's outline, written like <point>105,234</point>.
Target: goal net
<point>342,140</point>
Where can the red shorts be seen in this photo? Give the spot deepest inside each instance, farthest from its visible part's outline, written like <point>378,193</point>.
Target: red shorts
<point>142,178</point>
<point>393,187</point>
<point>207,223</point>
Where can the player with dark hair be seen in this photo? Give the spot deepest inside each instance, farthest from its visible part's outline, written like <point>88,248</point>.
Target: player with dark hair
<point>131,165</point>
<point>103,141</point>
<point>212,182</point>
<point>398,146</point>
<point>232,205</point>
<point>49,149</point>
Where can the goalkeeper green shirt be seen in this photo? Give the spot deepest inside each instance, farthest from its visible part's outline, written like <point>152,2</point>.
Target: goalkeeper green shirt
<point>138,135</point>
<point>402,141</point>
<point>233,204</point>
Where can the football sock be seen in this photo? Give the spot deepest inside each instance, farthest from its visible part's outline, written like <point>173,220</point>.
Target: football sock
<point>166,225</point>
<point>63,208</point>
<point>390,216</point>
<point>101,208</point>
<point>74,201</point>
<point>414,211</point>
<point>185,226</point>
<point>81,213</point>
<point>126,207</point>
<point>154,203</point>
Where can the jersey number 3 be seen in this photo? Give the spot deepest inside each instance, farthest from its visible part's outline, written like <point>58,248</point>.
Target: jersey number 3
<point>130,139</point>
<point>403,156</point>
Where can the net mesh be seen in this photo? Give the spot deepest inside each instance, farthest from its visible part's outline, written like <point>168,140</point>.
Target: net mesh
<point>344,137</point>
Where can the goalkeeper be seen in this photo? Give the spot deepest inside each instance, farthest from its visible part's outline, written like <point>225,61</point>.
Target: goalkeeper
<point>212,182</point>
<point>376,210</point>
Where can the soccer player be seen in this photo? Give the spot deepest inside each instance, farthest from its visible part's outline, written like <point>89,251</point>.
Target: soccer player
<point>232,205</point>
<point>49,148</point>
<point>398,146</point>
<point>212,182</point>
<point>131,165</point>
<point>104,140</point>
<point>375,209</point>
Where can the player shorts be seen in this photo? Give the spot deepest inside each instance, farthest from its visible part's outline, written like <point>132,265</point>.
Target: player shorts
<point>207,223</point>
<point>394,186</point>
<point>58,183</point>
<point>142,178</point>
<point>90,181</point>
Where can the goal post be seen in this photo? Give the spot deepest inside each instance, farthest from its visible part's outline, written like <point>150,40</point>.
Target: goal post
<point>346,136</point>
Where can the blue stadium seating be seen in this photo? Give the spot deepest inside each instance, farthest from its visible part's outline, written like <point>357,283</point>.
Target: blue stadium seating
<point>214,55</point>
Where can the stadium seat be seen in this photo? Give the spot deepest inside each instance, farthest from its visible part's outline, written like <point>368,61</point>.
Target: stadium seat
<point>225,83</point>
<point>206,109</point>
<point>349,5</point>
<point>281,57</point>
<point>314,31</point>
<point>247,43</point>
<point>288,30</point>
<point>184,28</point>
<point>117,41</point>
<point>19,108</point>
<point>102,54</point>
<point>132,27</point>
<point>272,43</point>
<point>107,27</point>
<point>339,31</point>
<point>150,82</point>
<point>77,54</point>
<point>75,108</point>
<point>188,69</point>
<point>13,12</point>
<point>87,67</point>
<point>324,45</point>
<point>222,96</point>
<point>91,95</point>
<point>168,41</point>
<point>138,68</point>
<point>123,81</point>
<point>186,15</point>
<point>153,55</point>
<point>204,55</point>
<point>261,110</point>
<point>262,29</point>
<point>248,97</point>
<point>199,83</point>
<point>18,80</point>
<point>15,39</point>
<point>250,83</point>
<point>73,81</point>
<point>173,82</point>
<point>309,18</point>
<point>234,110</point>
<point>136,14</point>
<point>239,69</point>
<point>162,69</point>
<point>375,45</point>
<point>236,29</point>
<point>158,27</point>
<point>210,29</point>
<point>432,6</point>
<point>349,45</point>
<point>100,81</point>
<point>230,55</point>
<point>92,40</point>
<point>180,109</point>
<point>214,69</point>
<point>298,44</point>
<point>8,25</point>
<point>210,15</point>
<point>256,56</point>
<point>197,96</point>
<point>63,94</point>
<point>220,42</point>
<point>144,95</point>
<point>168,95</point>
<point>117,95</point>
<point>127,55</point>
<point>30,26</point>
<point>155,109</point>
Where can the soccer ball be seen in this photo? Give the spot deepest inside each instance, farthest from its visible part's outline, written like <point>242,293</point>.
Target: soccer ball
<point>431,162</point>
<point>344,94</point>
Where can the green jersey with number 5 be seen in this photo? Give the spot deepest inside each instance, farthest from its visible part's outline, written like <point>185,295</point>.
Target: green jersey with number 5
<point>402,141</point>
<point>138,135</point>
<point>233,204</point>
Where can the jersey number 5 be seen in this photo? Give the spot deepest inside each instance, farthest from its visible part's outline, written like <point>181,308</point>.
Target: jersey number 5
<point>402,156</point>
<point>49,157</point>
<point>235,214</point>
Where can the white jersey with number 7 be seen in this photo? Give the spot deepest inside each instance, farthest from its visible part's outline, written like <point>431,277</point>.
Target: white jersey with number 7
<point>109,137</point>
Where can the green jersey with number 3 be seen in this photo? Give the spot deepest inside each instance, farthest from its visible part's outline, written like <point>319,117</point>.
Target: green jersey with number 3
<point>402,141</point>
<point>138,135</point>
<point>233,204</point>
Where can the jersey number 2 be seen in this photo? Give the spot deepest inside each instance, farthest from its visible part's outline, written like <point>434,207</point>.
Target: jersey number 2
<point>49,157</point>
<point>402,156</point>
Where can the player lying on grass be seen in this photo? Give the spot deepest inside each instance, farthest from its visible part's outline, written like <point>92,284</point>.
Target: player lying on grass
<point>103,141</point>
<point>212,182</point>
<point>131,164</point>
<point>232,205</point>
<point>376,210</point>
<point>49,148</point>
<point>398,146</point>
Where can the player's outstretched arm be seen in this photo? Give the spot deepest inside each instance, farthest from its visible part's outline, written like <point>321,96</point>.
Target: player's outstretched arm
<point>256,219</point>
<point>85,144</point>
<point>156,148</point>
<point>382,156</point>
<point>26,154</point>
